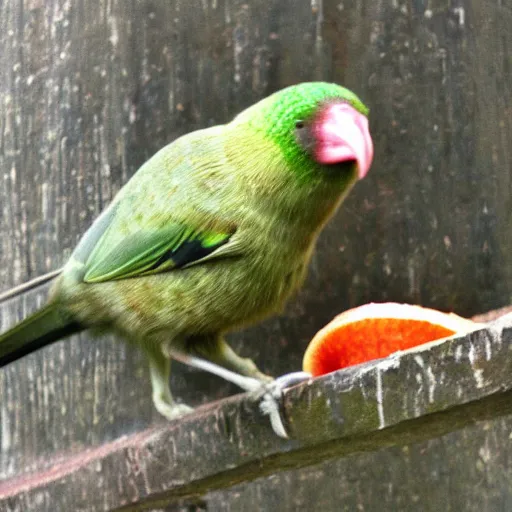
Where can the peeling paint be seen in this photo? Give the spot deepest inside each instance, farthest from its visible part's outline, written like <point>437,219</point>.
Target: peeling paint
<point>380,399</point>
<point>431,378</point>
<point>471,353</point>
<point>461,15</point>
<point>478,373</point>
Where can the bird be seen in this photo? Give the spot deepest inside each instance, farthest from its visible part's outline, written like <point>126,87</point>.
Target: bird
<point>212,234</point>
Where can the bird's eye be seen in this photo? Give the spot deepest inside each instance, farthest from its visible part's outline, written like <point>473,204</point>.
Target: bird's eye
<point>299,125</point>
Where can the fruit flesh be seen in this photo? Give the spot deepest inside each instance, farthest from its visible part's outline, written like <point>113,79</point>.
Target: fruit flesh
<point>374,331</point>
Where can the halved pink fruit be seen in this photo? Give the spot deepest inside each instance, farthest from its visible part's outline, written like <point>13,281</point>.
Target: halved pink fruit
<point>374,331</point>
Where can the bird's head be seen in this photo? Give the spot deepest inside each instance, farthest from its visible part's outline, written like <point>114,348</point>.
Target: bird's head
<point>318,127</point>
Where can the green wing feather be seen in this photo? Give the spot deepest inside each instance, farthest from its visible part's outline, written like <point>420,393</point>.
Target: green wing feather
<point>164,218</point>
<point>147,252</point>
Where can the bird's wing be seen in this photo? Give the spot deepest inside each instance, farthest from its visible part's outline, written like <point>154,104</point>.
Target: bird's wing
<point>152,251</point>
<point>165,218</point>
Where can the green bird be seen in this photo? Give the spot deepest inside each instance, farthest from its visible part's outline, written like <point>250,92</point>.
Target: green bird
<point>211,234</point>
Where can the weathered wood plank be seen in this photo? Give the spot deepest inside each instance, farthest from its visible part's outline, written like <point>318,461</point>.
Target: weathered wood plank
<point>90,88</point>
<point>411,396</point>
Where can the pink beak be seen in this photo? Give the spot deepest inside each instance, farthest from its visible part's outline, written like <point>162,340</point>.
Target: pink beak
<point>342,134</point>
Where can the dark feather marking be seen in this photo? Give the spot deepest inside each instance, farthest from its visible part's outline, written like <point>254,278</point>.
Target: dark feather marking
<point>188,252</point>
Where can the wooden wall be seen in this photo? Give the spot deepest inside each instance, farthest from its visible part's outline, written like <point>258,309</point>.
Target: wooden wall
<point>89,89</point>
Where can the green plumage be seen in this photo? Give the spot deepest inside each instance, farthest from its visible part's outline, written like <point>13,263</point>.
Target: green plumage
<point>213,233</point>
<point>43,327</point>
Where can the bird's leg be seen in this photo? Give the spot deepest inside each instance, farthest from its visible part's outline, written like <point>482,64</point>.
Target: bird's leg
<point>217,357</point>
<point>160,372</point>
<point>218,351</point>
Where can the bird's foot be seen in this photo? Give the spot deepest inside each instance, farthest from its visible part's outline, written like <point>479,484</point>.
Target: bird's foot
<point>172,410</point>
<point>270,395</point>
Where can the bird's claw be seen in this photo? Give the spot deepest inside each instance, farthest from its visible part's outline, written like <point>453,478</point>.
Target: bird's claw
<point>271,394</point>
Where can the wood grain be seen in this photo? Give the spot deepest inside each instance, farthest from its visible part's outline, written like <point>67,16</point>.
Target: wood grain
<point>90,89</point>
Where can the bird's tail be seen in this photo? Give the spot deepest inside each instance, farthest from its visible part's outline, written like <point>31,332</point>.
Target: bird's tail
<point>45,326</point>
